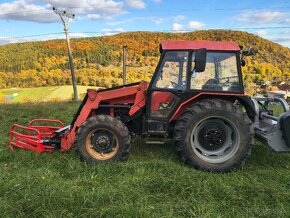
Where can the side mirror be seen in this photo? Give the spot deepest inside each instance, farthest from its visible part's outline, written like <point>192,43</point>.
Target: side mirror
<point>200,60</point>
<point>251,51</point>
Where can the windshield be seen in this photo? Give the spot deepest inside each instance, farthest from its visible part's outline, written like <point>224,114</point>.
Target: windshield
<point>221,73</point>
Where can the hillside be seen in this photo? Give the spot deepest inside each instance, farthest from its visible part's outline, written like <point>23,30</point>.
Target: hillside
<point>98,59</point>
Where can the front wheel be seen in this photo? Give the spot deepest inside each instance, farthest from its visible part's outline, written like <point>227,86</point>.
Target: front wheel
<point>102,139</point>
<point>214,135</point>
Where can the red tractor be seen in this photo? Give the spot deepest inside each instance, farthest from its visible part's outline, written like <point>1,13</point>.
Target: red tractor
<point>195,97</point>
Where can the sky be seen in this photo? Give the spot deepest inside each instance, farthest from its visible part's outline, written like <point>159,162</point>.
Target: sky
<point>31,20</point>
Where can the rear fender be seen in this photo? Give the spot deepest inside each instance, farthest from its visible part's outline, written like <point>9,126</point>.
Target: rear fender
<point>242,98</point>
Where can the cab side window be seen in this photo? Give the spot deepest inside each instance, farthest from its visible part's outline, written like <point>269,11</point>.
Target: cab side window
<point>172,73</point>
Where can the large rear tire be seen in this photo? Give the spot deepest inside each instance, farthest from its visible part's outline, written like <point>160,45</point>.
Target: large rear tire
<point>214,135</point>
<point>102,139</point>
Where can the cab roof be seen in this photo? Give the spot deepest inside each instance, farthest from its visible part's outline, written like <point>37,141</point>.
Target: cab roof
<point>193,45</point>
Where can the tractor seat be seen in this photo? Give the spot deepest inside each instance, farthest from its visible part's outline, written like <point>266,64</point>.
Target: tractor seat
<point>234,87</point>
<point>212,84</point>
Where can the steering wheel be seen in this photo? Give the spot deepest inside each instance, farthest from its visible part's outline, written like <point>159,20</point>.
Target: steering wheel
<point>175,85</point>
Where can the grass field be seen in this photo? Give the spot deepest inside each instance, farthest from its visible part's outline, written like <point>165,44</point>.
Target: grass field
<point>40,94</point>
<point>152,183</point>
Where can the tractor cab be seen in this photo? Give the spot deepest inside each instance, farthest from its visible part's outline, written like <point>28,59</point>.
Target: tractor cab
<point>178,71</point>
<point>185,69</point>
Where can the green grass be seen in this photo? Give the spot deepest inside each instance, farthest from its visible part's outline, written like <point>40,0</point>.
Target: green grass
<point>152,183</point>
<point>40,94</point>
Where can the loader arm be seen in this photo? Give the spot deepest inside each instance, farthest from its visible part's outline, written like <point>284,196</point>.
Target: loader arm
<point>134,96</point>
<point>131,96</point>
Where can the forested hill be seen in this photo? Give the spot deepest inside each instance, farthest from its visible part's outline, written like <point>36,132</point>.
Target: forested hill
<point>98,59</point>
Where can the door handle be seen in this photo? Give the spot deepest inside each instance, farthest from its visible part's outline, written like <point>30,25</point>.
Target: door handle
<point>180,92</point>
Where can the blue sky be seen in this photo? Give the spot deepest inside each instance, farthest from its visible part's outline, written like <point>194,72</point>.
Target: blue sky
<point>18,18</point>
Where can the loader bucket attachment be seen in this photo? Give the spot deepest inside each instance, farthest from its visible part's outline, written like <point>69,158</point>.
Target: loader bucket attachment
<point>270,129</point>
<point>34,136</point>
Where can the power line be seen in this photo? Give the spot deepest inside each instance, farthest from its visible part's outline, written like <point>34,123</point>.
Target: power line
<point>116,31</point>
<point>271,27</point>
<point>30,36</point>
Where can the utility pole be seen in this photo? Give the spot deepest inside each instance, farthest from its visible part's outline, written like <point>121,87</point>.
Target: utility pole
<point>65,17</point>
<point>124,64</point>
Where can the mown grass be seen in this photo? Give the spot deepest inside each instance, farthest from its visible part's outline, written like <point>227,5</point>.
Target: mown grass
<point>152,183</point>
<point>43,94</point>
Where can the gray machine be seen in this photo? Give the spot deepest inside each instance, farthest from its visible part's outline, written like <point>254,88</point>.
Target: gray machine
<point>270,129</point>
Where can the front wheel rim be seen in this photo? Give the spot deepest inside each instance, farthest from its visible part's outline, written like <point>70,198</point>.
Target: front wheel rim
<point>215,139</point>
<point>102,144</point>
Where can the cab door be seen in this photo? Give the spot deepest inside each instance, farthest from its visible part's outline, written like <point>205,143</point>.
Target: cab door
<point>166,90</point>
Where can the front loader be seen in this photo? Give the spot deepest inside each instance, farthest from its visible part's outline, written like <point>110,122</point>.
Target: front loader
<point>196,97</point>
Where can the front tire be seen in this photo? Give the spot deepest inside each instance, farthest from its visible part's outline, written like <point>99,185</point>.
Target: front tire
<point>102,139</point>
<point>214,135</point>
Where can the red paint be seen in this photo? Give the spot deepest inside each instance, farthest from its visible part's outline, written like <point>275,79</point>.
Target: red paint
<point>130,94</point>
<point>32,137</point>
<point>184,105</point>
<point>209,45</point>
<point>159,97</point>
<point>133,95</point>
<point>45,130</point>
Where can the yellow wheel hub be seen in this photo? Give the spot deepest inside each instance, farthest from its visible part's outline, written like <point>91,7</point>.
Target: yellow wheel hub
<point>102,144</point>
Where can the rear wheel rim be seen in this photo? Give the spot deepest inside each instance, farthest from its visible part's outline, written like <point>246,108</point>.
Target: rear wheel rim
<point>102,144</point>
<point>215,139</point>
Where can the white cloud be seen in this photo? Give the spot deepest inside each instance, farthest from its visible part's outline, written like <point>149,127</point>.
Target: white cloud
<point>79,35</point>
<point>192,25</point>
<point>41,10</point>
<point>139,4</point>
<point>109,32</point>
<point>261,33</point>
<point>179,17</point>
<point>195,25</point>
<point>156,20</point>
<point>263,17</point>
<point>281,39</point>
<point>100,7</point>
<point>20,10</point>
<point>286,21</point>
<point>178,27</point>
<point>94,16</point>
<point>285,32</point>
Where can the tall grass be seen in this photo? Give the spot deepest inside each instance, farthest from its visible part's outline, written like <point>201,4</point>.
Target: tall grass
<point>152,183</point>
